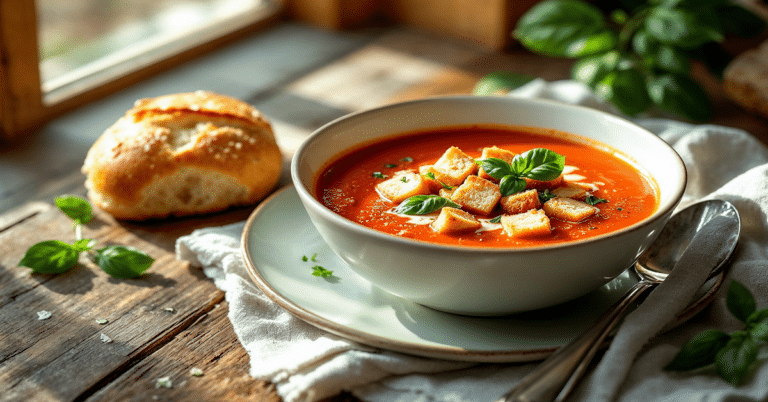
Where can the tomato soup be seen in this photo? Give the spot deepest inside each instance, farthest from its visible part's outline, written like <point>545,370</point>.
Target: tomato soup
<point>619,193</point>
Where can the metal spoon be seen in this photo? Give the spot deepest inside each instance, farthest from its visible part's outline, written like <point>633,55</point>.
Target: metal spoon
<point>557,376</point>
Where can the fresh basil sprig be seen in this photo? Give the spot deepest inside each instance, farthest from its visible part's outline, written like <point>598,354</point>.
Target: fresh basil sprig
<point>56,257</point>
<point>637,53</point>
<point>423,204</point>
<point>537,164</point>
<point>732,355</point>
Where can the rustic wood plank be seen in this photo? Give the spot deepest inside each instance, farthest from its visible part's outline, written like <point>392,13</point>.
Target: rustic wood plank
<point>209,345</point>
<point>63,357</point>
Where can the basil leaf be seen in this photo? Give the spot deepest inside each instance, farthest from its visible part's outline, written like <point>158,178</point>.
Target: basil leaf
<point>510,185</point>
<point>538,164</point>
<point>321,272</point>
<point>680,94</point>
<point>699,351</point>
<point>670,58</point>
<point>496,219</point>
<point>740,301</point>
<point>758,327</point>
<point>496,168</point>
<point>592,200</point>
<point>50,257</point>
<point>592,69</point>
<point>123,261</point>
<point>564,28</point>
<point>83,245</point>
<point>735,359</point>
<point>740,21</point>
<point>680,27</point>
<point>545,195</point>
<point>626,89</point>
<point>424,204</point>
<point>500,82</point>
<point>644,44</point>
<point>76,208</point>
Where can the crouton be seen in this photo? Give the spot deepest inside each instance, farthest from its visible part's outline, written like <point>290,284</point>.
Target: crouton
<point>571,191</point>
<point>477,195</point>
<point>455,220</point>
<point>455,165</point>
<point>527,224</point>
<point>437,180</point>
<point>568,209</point>
<point>520,202</point>
<point>446,193</point>
<point>402,185</point>
<point>543,185</point>
<point>498,153</point>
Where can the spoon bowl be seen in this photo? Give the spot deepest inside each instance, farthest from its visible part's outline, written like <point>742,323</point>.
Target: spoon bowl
<point>556,377</point>
<point>657,261</point>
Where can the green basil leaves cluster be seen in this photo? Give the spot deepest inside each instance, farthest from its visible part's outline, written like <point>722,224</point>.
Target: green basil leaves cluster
<point>56,257</point>
<point>537,164</point>
<point>637,54</point>
<point>732,355</point>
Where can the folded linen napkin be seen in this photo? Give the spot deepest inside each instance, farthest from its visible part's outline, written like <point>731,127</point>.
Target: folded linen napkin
<point>307,364</point>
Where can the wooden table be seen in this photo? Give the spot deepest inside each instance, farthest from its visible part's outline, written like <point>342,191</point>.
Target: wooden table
<point>173,318</point>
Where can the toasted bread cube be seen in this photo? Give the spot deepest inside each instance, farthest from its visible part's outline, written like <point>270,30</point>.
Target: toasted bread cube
<point>518,203</point>
<point>440,179</point>
<point>568,209</point>
<point>570,191</point>
<point>455,220</point>
<point>527,224</point>
<point>455,165</point>
<point>446,193</point>
<point>402,185</point>
<point>543,185</point>
<point>477,195</point>
<point>498,153</point>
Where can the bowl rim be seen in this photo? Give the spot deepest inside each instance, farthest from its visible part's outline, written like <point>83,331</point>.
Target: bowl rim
<point>310,200</point>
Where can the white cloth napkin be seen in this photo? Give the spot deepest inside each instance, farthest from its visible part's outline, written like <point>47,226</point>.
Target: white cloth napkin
<point>307,364</point>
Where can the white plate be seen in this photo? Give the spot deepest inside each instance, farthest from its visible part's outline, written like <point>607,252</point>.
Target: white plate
<point>279,234</point>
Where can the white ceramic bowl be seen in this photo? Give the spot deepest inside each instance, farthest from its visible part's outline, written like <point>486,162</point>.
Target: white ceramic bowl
<point>482,281</point>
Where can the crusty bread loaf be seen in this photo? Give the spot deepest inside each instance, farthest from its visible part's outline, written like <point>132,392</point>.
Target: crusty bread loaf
<point>182,154</point>
<point>746,79</point>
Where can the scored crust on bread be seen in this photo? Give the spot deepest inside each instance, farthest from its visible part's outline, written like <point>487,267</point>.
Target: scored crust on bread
<point>182,154</point>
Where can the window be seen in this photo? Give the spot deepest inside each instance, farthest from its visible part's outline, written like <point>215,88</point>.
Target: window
<point>58,54</point>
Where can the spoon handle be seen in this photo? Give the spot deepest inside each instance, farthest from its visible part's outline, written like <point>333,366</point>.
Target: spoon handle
<point>558,375</point>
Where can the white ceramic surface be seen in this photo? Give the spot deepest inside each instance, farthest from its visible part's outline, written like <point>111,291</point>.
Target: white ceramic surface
<point>279,233</point>
<point>477,281</point>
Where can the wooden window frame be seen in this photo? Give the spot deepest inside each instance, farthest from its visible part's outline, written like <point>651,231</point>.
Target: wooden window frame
<point>25,105</point>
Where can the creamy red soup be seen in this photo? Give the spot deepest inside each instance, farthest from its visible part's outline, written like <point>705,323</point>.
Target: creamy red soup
<point>353,185</point>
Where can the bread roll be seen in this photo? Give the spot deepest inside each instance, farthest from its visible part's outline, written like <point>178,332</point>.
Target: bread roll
<point>182,154</point>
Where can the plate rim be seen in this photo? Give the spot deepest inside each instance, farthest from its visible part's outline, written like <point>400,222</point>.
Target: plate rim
<point>434,351</point>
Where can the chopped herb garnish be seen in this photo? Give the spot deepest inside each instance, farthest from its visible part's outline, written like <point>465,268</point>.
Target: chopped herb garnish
<point>314,257</point>
<point>321,272</point>
<point>424,204</point>
<point>496,219</point>
<point>407,159</point>
<point>431,176</point>
<point>592,200</point>
<point>390,165</point>
<point>164,382</point>
<point>379,175</point>
<point>538,164</point>
<point>546,195</point>
<point>304,258</point>
<point>404,179</point>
